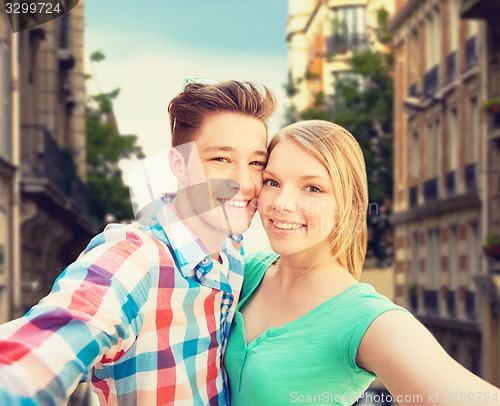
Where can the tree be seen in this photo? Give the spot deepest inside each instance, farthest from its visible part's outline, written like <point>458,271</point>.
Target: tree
<point>363,104</point>
<point>106,147</point>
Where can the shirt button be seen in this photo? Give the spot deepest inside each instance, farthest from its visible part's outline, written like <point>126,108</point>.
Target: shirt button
<point>205,261</point>
<point>224,308</point>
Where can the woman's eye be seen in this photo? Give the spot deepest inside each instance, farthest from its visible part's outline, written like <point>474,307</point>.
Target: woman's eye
<point>313,189</point>
<point>270,182</point>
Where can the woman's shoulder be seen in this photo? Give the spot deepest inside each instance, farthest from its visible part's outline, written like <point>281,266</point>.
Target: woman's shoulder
<point>256,265</point>
<point>363,305</point>
<point>363,295</point>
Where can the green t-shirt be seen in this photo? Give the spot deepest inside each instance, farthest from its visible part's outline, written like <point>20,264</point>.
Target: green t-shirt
<point>309,360</point>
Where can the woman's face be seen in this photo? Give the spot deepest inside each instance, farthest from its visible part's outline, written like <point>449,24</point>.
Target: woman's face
<point>297,203</point>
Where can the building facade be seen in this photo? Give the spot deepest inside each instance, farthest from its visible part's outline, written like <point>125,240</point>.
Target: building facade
<point>441,177</point>
<point>9,176</point>
<point>44,205</point>
<point>322,35</point>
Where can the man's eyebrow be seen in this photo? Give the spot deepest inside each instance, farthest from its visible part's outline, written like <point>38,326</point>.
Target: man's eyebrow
<point>217,148</point>
<point>221,148</point>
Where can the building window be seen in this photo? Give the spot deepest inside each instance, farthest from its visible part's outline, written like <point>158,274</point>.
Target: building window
<point>434,261</point>
<point>433,40</point>
<point>472,130</point>
<point>453,139</point>
<point>349,30</point>
<point>433,148</point>
<point>472,250</point>
<point>64,32</point>
<point>414,155</point>
<point>414,59</point>
<point>454,27</point>
<point>438,146</point>
<point>415,260</point>
<point>5,115</point>
<point>453,257</point>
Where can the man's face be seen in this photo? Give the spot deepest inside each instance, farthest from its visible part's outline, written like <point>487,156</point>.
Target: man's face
<point>232,156</point>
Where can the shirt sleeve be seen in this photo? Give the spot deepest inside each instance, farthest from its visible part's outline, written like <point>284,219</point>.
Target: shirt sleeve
<point>92,315</point>
<point>361,312</point>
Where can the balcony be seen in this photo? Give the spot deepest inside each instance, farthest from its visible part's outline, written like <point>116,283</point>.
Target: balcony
<point>66,59</point>
<point>431,302</point>
<point>470,53</point>
<point>450,183</point>
<point>451,303</point>
<point>480,9</point>
<point>470,177</point>
<point>48,172</point>
<point>413,197</point>
<point>340,43</point>
<point>431,81</point>
<point>451,67</point>
<point>470,304</point>
<point>431,190</point>
<point>413,91</point>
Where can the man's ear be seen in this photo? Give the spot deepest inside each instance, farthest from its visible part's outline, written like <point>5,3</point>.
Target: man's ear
<point>177,163</point>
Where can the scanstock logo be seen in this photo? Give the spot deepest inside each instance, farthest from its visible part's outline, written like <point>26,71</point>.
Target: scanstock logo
<point>26,14</point>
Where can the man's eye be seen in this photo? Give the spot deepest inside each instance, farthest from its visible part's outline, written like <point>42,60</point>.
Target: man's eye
<point>313,189</point>
<point>220,159</point>
<point>270,183</point>
<point>258,163</point>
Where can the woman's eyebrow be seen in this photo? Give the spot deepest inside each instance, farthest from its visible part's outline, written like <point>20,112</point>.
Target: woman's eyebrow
<point>310,177</point>
<point>305,177</point>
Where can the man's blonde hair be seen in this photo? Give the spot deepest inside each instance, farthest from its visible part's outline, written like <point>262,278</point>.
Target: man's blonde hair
<point>340,153</point>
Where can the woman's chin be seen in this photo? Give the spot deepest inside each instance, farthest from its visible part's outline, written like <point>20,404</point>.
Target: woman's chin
<point>280,248</point>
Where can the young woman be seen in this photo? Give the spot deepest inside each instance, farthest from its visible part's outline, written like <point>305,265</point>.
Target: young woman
<point>306,330</point>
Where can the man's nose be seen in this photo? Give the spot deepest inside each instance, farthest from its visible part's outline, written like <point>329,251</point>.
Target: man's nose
<point>245,179</point>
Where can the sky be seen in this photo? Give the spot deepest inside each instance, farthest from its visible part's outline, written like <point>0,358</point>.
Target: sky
<point>152,45</point>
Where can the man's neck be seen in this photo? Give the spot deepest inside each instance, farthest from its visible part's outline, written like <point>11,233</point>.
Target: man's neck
<point>211,238</point>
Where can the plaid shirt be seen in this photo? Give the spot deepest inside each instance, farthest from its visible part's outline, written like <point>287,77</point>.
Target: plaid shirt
<point>144,312</point>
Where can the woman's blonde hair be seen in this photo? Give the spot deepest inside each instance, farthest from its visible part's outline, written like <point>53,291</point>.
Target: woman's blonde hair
<point>340,153</point>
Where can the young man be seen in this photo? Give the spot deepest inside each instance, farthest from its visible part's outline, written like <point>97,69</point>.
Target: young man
<point>144,312</point>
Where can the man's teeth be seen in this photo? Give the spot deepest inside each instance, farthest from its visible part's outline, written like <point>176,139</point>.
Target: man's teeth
<point>286,226</point>
<point>235,203</point>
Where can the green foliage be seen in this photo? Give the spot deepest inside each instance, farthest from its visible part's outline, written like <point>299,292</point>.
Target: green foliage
<point>97,56</point>
<point>491,105</point>
<point>365,108</point>
<point>109,197</point>
<point>492,240</point>
<point>363,104</point>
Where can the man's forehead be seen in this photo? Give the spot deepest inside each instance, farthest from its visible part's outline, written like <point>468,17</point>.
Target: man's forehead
<point>230,149</point>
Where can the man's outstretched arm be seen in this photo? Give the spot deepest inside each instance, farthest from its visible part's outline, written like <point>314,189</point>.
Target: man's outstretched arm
<point>93,314</point>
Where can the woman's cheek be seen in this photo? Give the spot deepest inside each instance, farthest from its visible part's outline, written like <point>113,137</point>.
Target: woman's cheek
<point>264,204</point>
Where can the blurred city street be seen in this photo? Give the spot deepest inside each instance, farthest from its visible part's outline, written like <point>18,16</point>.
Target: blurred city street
<point>84,135</point>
